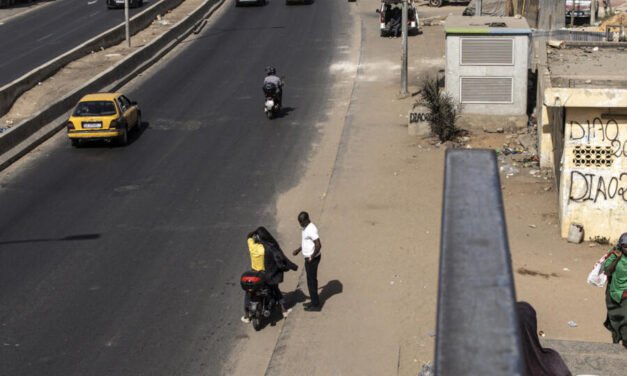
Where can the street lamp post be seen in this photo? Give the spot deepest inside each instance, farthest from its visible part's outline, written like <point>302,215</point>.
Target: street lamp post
<point>128,28</point>
<point>404,91</point>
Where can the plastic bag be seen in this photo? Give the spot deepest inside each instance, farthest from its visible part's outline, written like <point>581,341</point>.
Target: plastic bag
<point>597,276</point>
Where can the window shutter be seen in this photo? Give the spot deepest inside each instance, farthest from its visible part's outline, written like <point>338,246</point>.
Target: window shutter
<point>476,51</point>
<point>486,89</point>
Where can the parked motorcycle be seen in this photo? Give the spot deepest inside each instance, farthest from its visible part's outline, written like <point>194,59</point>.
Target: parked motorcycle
<point>272,104</point>
<point>259,302</point>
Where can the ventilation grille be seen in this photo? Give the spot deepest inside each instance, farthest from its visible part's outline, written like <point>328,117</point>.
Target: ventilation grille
<point>593,156</point>
<point>487,51</point>
<point>486,89</point>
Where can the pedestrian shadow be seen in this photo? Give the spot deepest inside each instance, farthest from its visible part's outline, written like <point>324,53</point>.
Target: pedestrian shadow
<point>294,297</point>
<point>333,287</point>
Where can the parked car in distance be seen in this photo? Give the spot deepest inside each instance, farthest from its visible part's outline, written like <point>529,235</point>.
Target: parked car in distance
<point>580,9</point>
<point>111,4</point>
<point>103,116</point>
<point>392,8</point>
<point>439,3</point>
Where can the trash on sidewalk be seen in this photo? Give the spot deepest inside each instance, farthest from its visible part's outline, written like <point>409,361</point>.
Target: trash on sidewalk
<point>509,170</point>
<point>572,324</point>
<point>575,233</point>
<point>426,370</point>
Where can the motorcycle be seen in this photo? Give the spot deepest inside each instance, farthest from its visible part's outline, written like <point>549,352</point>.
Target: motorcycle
<point>259,303</point>
<point>272,105</point>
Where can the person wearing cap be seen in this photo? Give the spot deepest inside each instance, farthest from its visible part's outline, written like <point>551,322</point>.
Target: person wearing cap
<point>615,268</point>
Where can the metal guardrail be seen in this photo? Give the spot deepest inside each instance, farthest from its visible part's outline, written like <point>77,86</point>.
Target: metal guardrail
<point>571,35</point>
<point>477,325</point>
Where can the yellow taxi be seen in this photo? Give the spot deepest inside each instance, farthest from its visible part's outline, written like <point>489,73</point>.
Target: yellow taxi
<point>108,116</point>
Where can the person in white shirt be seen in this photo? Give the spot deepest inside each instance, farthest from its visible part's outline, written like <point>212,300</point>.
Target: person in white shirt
<point>310,247</point>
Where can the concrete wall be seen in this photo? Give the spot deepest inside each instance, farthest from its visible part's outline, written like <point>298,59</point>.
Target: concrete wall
<point>593,183</point>
<point>8,3</point>
<point>518,71</point>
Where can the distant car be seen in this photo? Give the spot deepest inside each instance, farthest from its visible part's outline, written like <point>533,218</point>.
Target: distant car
<point>103,116</point>
<point>439,3</point>
<point>245,2</point>
<point>111,4</point>
<point>582,9</point>
<point>390,9</point>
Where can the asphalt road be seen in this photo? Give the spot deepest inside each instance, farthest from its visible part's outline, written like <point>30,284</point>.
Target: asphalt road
<point>126,260</point>
<point>41,35</point>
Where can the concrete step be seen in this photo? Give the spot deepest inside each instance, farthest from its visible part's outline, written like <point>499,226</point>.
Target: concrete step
<point>591,358</point>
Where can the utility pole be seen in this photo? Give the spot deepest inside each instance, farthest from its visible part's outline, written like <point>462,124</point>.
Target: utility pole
<point>479,8</point>
<point>128,29</point>
<point>404,91</point>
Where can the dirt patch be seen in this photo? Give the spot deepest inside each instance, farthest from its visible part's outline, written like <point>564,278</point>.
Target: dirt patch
<point>618,19</point>
<point>535,273</point>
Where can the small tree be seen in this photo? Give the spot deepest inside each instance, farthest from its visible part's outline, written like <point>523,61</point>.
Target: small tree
<point>443,113</point>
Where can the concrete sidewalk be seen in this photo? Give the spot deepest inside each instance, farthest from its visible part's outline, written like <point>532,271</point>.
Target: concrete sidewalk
<point>379,226</point>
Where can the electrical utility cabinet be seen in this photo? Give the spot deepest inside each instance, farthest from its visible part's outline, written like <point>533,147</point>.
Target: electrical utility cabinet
<point>487,61</point>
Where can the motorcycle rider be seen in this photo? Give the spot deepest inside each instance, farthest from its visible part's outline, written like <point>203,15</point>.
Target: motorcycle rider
<point>272,78</point>
<point>266,256</point>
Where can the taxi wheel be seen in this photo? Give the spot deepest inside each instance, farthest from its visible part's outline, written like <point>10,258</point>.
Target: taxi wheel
<point>123,138</point>
<point>76,142</point>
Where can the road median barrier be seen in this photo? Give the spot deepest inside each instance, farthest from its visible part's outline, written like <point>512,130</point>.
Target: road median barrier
<point>26,135</point>
<point>11,91</point>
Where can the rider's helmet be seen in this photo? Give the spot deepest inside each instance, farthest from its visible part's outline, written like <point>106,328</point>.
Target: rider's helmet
<point>270,71</point>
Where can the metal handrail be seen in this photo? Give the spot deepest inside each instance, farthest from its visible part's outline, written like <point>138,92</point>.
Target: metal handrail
<point>477,325</point>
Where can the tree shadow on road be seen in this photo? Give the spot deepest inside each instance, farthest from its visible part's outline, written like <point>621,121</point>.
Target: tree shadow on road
<point>66,238</point>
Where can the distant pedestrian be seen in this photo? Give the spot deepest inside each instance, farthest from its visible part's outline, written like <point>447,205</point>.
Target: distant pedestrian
<point>310,246</point>
<point>606,3</point>
<point>616,292</point>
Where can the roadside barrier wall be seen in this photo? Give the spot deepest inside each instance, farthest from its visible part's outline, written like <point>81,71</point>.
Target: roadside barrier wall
<point>113,78</point>
<point>11,91</point>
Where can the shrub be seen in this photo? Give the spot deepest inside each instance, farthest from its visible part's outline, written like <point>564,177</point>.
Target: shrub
<point>443,113</point>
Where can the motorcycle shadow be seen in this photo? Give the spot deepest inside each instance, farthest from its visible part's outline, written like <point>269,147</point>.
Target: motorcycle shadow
<point>285,111</point>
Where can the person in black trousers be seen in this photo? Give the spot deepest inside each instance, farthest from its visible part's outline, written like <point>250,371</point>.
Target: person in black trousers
<point>310,247</point>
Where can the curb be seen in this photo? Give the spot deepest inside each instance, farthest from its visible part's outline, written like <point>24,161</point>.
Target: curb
<point>11,91</point>
<point>25,136</point>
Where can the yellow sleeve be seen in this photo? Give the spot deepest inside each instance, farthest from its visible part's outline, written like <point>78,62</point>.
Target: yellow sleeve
<point>256,255</point>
